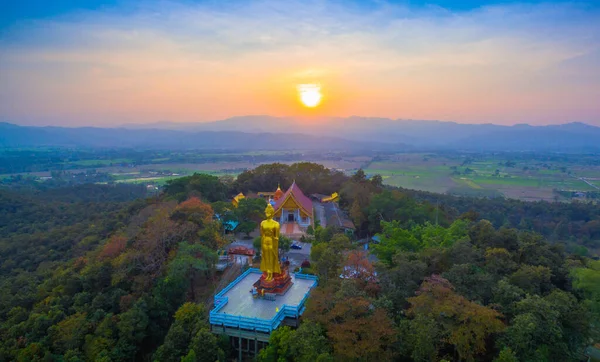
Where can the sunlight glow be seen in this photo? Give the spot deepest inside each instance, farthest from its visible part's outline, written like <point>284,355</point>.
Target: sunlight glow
<point>310,94</point>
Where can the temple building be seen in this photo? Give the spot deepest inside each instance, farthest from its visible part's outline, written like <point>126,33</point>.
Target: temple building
<point>267,195</point>
<point>293,210</point>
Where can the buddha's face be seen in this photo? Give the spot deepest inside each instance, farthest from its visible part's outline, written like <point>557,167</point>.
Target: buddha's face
<point>269,212</point>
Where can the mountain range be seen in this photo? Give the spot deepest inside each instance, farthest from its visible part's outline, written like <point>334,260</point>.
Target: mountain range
<point>91,137</point>
<point>352,133</point>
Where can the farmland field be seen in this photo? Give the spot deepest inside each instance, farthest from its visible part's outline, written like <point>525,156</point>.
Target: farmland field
<point>515,175</point>
<point>488,175</point>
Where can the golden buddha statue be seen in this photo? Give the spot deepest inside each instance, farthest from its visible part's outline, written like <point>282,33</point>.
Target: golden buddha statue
<point>269,242</point>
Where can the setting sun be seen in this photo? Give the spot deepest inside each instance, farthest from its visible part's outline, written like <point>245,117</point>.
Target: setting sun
<point>310,94</point>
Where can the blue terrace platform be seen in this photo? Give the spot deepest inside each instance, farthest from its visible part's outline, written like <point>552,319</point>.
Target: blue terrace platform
<point>237,309</point>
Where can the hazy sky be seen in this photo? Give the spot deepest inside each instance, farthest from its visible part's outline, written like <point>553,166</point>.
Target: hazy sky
<point>109,63</point>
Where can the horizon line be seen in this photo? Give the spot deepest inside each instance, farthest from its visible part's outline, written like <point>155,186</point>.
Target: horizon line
<point>190,123</point>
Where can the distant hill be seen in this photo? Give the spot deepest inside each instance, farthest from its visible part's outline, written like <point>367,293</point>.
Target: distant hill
<point>425,135</point>
<point>571,137</point>
<point>17,136</point>
<point>352,133</point>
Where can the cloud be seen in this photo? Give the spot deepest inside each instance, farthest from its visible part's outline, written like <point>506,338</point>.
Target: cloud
<point>202,61</point>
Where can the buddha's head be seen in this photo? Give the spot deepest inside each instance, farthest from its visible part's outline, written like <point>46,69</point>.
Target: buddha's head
<point>269,211</point>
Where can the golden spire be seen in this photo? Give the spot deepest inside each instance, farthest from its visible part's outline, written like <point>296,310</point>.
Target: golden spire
<point>278,193</point>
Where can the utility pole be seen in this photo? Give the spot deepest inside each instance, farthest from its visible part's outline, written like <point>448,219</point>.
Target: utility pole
<point>437,207</point>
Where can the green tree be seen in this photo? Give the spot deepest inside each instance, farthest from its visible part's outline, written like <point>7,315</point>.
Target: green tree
<point>402,280</point>
<point>306,344</point>
<point>506,355</point>
<point>464,276</point>
<point>309,343</point>
<point>310,230</point>
<point>328,265</point>
<point>356,329</point>
<point>190,318</point>
<point>394,238</point>
<point>132,328</point>
<point>285,244</point>
<point>553,327</point>
<point>264,178</point>
<point>34,352</point>
<point>247,227</point>
<point>278,348</point>
<point>482,233</point>
<point>324,234</point>
<point>102,340</point>
<point>222,207</point>
<point>206,346</point>
<point>499,262</point>
<point>394,205</point>
<point>211,236</point>
<point>506,296</point>
<point>208,187</point>
<point>193,264</point>
<point>257,245</point>
<point>587,279</point>
<point>423,338</point>
<point>69,333</point>
<point>190,357</point>
<point>464,325</point>
<point>340,243</point>
<point>532,279</point>
<point>251,210</point>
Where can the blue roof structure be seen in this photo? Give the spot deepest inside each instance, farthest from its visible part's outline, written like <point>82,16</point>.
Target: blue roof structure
<point>229,225</point>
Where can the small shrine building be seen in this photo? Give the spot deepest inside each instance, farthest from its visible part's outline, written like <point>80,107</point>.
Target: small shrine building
<point>236,200</point>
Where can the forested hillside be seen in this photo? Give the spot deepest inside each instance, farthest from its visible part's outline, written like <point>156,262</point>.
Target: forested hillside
<point>90,273</point>
<point>576,224</point>
<point>463,293</point>
<point>100,280</point>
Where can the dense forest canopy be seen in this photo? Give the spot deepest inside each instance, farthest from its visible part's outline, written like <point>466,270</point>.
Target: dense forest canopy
<point>97,272</point>
<point>312,178</point>
<point>464,292</point>
<point>577,224</point>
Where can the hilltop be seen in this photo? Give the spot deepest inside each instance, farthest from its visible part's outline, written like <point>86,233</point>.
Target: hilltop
<point>95,272</point>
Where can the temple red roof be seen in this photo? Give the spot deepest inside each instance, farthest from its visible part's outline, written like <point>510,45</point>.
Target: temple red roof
<point>295,192</point>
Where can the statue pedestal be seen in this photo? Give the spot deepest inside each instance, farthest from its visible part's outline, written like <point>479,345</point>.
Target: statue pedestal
<point>280,283</point>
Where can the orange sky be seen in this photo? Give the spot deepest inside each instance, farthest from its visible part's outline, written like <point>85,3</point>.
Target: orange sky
<point>186,63</point>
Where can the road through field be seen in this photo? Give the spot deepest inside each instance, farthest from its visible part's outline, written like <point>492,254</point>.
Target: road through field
<point>587,182</point>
